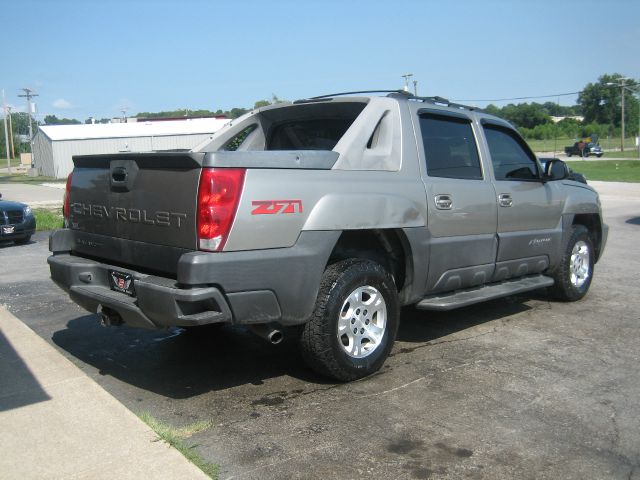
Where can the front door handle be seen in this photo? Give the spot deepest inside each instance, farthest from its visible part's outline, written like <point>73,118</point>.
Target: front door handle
<point>505,200</point>
<point>444,202</point>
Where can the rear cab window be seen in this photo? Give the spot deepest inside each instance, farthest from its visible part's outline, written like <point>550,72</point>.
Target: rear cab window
<point>300,126</point>
<point>308,134</point>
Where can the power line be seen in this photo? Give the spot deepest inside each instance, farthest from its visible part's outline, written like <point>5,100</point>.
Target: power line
<point>519,98</point>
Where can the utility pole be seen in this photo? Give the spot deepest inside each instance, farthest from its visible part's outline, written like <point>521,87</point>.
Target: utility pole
<point>6,135</point>
<point>415,88</point>
<point>13,152</point>
<point>406,77</point>
<point>622,140</point>
<point>622,86</point>
<point>29,94</point>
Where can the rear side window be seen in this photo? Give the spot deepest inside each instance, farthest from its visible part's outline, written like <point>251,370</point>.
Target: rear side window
<point>510,159</point>
<point>233,144</point>
<point>450,147</point>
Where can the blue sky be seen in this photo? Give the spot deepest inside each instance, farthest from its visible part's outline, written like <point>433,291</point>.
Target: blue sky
<point>90,58</point>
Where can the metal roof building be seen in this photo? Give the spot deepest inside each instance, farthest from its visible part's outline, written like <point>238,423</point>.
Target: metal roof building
<point>55,145</point>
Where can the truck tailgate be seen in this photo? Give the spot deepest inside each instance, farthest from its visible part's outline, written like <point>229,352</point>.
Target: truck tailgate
<point>142,197</point>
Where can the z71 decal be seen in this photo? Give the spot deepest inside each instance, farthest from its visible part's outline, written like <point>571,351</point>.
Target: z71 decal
<point>270,207</point>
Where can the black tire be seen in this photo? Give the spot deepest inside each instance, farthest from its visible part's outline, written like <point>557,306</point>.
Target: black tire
<point>321,347</point>
<point>569,287</point>
<point>569,154</point>
<point>598,155</point>
<point>23,241</point>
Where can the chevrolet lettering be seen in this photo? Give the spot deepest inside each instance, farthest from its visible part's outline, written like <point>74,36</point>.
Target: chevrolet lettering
<point>408,201</point>
<point>132,215</point>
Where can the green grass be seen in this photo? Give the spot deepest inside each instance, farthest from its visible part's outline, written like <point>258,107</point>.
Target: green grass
<point>630,154</point>
<point>176,438</point>
<point>548,145</point>
<point>47,219</point>
<point>15,162</point>
<point>560,143</point>
<point>608,170</point>
<point>22,178</point>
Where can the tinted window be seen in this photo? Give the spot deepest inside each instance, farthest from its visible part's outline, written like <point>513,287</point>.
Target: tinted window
<point>235,142</point>
<point>510,159</point>
<point>450,147</point>
<point>316,134</point>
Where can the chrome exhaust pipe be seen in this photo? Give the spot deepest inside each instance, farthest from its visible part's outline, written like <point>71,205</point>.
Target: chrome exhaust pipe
<point>269,333</point>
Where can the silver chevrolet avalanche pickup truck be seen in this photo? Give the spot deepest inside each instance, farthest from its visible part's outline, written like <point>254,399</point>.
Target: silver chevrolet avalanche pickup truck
<point>326,214</point>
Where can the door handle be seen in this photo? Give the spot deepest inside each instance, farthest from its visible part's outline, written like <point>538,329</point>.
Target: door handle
<point>505,200</point>
<point>444,202</point>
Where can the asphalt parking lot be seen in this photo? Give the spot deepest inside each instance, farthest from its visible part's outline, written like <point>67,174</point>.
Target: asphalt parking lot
<point>516,388</point>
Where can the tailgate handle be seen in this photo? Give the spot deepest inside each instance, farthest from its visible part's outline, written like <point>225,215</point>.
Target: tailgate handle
<point>119,175</point>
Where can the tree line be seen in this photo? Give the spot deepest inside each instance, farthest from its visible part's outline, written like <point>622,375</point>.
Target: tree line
<point>599,103</point>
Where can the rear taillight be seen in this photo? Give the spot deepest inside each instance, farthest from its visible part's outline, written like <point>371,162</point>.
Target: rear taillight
<point>65,205</point>
<point>218,196</point>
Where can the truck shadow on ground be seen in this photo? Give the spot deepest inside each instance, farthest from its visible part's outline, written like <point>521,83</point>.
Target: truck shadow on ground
<point>180,364</point>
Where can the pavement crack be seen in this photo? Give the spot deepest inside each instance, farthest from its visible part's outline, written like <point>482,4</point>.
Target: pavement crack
<point>281,461</point>
<point>400,387</point>
<point>442,342</point>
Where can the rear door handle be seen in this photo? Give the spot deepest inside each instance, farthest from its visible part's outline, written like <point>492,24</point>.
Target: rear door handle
<point>444,202</point>
<point>505,200</point>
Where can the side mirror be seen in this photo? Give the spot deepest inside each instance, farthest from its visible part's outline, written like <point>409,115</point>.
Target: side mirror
<point>555,169</point>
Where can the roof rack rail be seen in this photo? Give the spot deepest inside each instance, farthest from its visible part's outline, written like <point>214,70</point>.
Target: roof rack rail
<point>435,100</point>
<point>320,98</point>
<point>393,93</point>
<point>355,93</point>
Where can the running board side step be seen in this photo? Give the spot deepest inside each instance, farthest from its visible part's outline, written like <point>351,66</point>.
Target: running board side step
<point>462,298</point>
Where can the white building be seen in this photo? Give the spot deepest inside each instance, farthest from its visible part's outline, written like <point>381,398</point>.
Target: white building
<point>55,145</point>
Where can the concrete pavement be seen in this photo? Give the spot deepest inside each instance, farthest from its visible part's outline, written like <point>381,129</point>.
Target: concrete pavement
<point>33,195</point>
<point>58,423</point>
<point>521,387</point>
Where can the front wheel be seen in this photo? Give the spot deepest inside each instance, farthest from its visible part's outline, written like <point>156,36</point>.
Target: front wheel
<point>574,273</point>
<point>354,322</point>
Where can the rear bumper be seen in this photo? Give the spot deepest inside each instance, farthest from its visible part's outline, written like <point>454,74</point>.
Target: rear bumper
<point>158,303</point>
<point>249,287</point>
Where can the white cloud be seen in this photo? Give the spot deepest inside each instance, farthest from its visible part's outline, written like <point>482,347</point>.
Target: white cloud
<point>62,104</point>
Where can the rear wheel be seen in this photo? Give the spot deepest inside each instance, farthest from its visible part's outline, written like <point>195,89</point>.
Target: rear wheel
<point>355,320</point>
<point>574,273</point>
